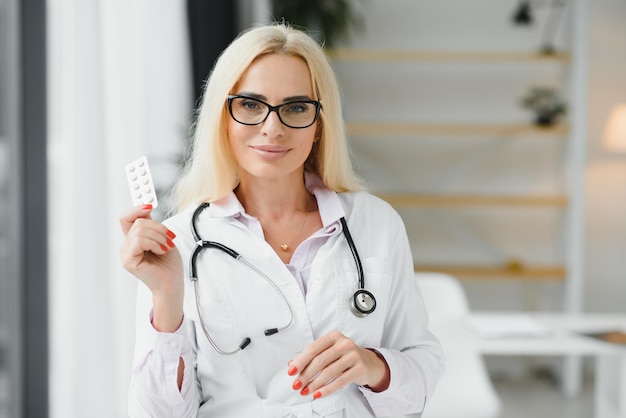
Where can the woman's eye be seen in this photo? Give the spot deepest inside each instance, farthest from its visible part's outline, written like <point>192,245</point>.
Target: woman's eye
<point>250,104</point>
<point>297,107</point>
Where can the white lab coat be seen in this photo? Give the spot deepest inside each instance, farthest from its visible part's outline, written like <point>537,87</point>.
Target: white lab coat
<point>237,303</point>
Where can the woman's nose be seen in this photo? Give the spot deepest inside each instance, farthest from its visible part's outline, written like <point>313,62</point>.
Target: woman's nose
<point>273,127</point>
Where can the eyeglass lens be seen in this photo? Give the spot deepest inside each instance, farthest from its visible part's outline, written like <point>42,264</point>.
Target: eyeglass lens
<point>292,114</point>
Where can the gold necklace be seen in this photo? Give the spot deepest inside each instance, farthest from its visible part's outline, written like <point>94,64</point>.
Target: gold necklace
<point>285,246</point>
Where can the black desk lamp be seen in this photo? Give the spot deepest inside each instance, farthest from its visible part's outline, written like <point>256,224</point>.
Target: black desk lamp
<point>523,15</point>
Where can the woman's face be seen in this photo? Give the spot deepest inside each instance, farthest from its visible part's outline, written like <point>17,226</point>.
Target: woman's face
<point>272,150</point>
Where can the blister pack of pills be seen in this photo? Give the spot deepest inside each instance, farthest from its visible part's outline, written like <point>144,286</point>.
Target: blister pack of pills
<point>140,182</point>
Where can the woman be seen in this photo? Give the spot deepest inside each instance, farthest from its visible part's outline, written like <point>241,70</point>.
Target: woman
<point>275,335</point>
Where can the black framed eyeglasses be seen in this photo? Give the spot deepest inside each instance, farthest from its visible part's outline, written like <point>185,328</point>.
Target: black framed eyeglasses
<point>293,114</point>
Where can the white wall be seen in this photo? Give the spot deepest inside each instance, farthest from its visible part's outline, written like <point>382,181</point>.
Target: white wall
<point>490,92</point>
<point>606,172</point>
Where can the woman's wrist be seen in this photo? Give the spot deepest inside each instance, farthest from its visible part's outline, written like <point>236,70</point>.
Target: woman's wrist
<point>382,383</point>
<point>167,313</point>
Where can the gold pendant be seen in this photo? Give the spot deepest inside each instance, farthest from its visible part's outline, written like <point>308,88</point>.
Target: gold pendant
<point>284,247</point>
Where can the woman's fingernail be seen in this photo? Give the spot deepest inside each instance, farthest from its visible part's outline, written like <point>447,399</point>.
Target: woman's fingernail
<point>317,395</point>
<point>304,392</point>
<point>170,243</point>
<point>296,385</point>
<point>293,370</point>
<point>171,234</point>
<point>147,206</point>
<point>163,247</point>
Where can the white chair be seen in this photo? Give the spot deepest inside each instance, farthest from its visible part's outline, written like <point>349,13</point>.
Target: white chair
<point>465,389</point>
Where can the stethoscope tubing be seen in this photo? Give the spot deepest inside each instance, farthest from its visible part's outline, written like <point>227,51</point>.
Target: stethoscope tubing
<point>355,254</point>
<point>201,244</point>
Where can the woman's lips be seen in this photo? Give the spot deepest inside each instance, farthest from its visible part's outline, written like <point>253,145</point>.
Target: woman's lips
<point>271,152</point>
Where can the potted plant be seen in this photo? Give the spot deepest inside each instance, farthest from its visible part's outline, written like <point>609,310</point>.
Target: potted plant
<point>545,103</point>
<point>328,21</point>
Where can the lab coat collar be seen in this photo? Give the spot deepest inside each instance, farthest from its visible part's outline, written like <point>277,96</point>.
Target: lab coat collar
<point>327,201</point>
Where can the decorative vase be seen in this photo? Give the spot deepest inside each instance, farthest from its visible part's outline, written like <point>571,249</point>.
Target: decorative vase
<point>546,119</point>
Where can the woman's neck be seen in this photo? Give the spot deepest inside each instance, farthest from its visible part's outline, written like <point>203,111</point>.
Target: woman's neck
<point>285,209</point>
<point>273,199</point>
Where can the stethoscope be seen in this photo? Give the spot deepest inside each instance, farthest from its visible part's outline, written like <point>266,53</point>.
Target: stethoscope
<point>362,303</point>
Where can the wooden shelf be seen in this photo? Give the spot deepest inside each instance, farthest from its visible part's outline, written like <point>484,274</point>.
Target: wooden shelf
<point>438,200</point>
<point>398,55</point>
<point>368,129</point>
<point>511,272</point>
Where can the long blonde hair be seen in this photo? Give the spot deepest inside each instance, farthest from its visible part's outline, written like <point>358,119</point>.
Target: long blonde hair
<point>212,171</point>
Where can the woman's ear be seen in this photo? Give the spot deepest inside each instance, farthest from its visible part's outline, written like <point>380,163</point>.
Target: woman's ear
<point>318,131</point>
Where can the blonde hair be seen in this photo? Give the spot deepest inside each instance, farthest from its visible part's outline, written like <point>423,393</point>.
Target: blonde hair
<point>212,170</point>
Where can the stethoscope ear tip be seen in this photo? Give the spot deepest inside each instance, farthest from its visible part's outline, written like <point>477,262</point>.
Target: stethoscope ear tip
<point>271,331</point>
<point>246,341</point>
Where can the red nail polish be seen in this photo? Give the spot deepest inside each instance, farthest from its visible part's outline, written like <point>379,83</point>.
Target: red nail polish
<point>170,243</point>
<point>296,385</point>
<point>171,234</point>
<point>304,392</point>
<point>163,247</point>
<point>293,370</point>
<point>147,206</point>
<point>317,395</point>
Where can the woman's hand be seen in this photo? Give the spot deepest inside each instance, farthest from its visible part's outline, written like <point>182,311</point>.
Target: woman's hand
<point>149,253</point>
<point>334,361</point>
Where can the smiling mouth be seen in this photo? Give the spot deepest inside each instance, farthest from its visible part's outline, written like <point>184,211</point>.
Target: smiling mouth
<point>270,149</point>
<point>271,152</point>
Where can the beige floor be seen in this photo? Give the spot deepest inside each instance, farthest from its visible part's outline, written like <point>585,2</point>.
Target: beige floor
<point>540,398</point>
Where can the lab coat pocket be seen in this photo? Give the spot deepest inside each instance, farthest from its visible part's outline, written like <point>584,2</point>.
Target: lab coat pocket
<point>332,407</point>
<point>367,330</point>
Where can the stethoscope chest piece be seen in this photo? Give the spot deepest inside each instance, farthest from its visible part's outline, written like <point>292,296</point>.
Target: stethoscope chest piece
<point>363,303</point>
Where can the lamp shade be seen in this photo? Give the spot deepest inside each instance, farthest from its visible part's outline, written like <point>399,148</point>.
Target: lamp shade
<point>523,14</point>
<point>615,131</point>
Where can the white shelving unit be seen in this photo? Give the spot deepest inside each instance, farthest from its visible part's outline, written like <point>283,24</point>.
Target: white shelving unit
<point>376,140</point>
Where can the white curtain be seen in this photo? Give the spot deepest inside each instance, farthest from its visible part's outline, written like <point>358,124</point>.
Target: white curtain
<point>119,88</point>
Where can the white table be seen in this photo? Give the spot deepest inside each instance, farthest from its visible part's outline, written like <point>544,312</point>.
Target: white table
<point>565,338</point>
